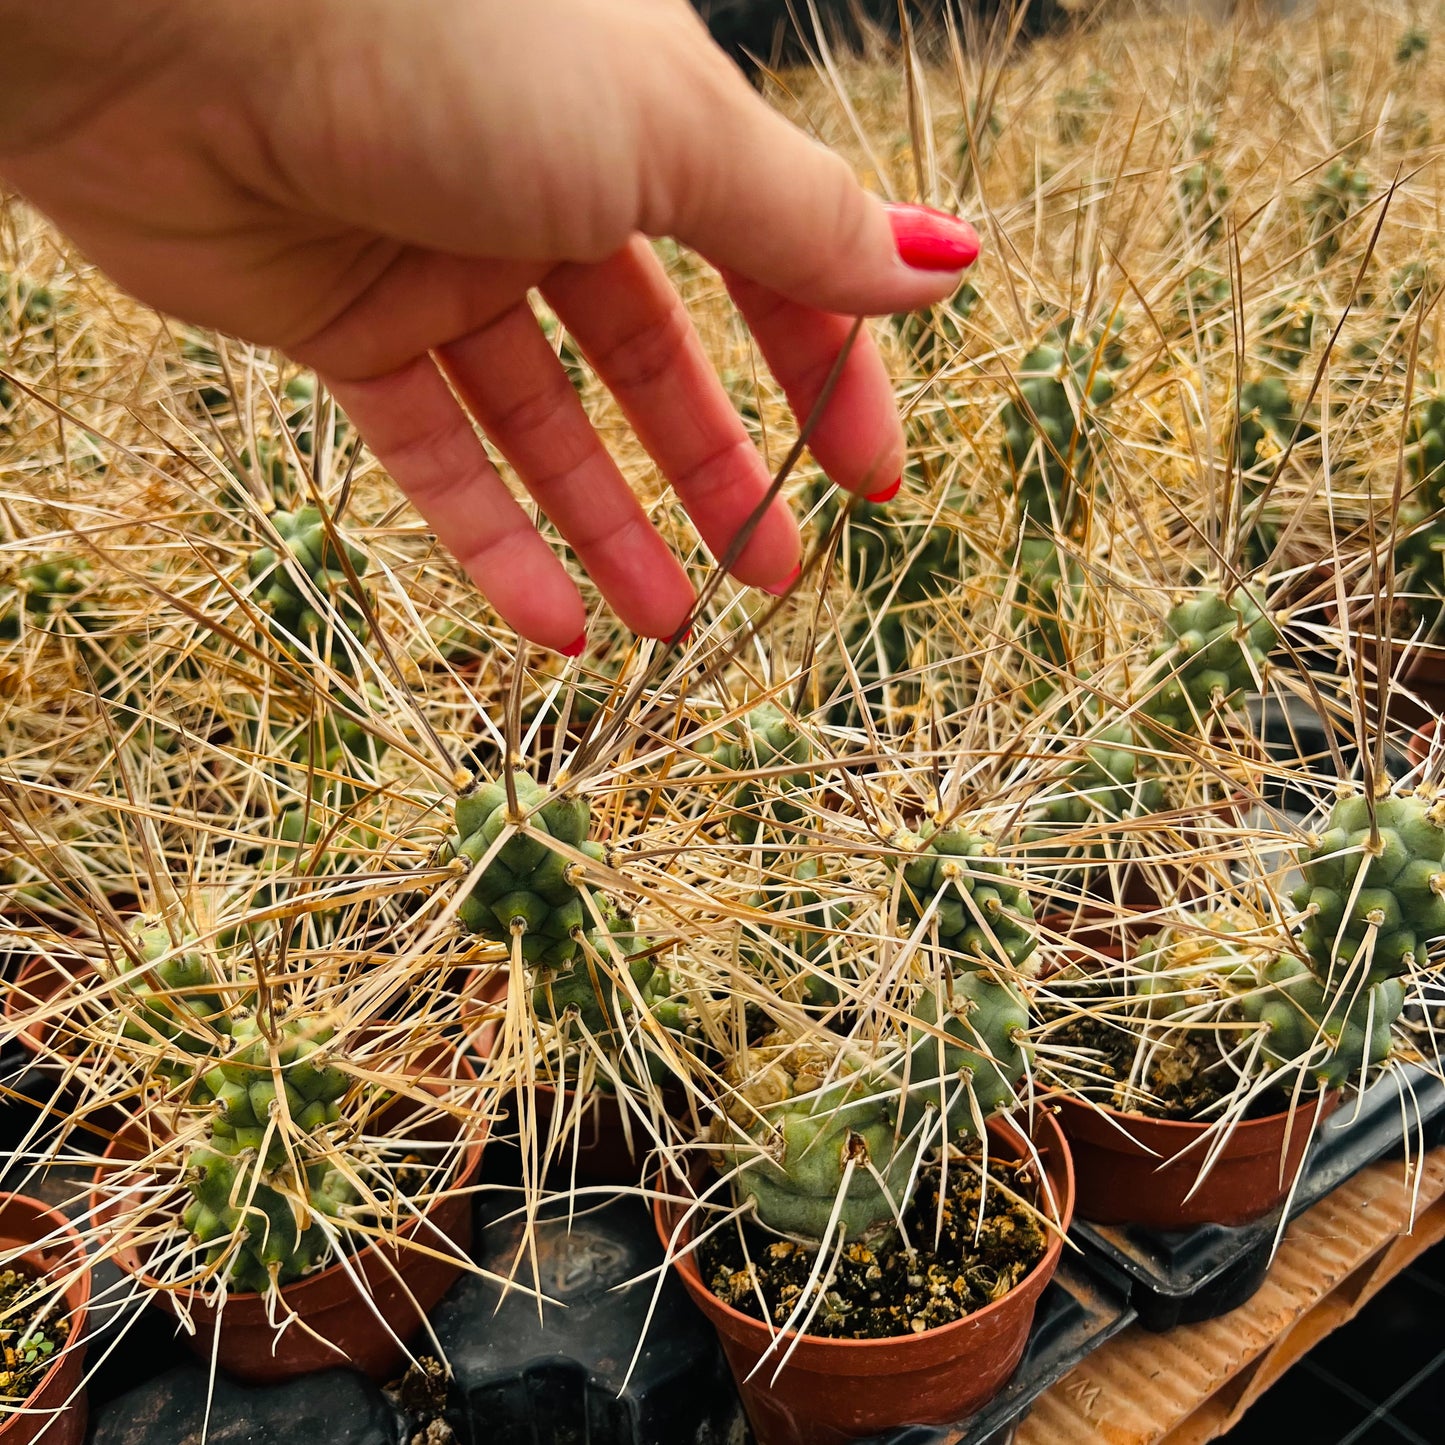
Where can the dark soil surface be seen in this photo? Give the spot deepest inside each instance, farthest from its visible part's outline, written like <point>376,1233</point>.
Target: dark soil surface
<point>33,1327</point>
<point>883,1289</point>
<point>1187,1074</point>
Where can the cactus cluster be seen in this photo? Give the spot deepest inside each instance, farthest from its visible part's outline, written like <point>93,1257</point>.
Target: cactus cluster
<point>980,910</point>
<point>528,889</point>
<point>170,996</point>
<point>41,589</point>
<point>306,611</point>
<point>764,739</point>
<point>255,1193</point>
<point>1049,426</point>
<point>1214,649</point>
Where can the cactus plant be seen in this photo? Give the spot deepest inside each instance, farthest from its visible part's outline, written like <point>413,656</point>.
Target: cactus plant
<point>43,588</point>
<point>1334,198</point>
<point>1373,890</point>
<point>1214,650</point>
<point>955,878</point>
<point>528,889</point>
<point>309,549</point>
<point>170,997</point>
<point>763,740</point>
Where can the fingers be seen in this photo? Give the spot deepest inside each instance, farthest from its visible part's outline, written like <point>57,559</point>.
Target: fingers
<point>752,193</point>
<point>858,438</point>
<point>422,437</point>
<point>513,384</point>
<point>630,324</point>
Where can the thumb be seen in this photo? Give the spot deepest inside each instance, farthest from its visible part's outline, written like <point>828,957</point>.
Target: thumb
<point>745,188</point>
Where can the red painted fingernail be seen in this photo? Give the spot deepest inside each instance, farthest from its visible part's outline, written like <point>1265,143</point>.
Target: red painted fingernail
<point>575,649</point>
<point>930,240</point>
<point>886,495</point>
<point>681,639</point>
<point>781,589</point>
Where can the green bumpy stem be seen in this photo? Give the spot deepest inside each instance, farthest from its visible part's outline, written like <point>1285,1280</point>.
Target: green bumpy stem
<point>766,738</point>
<point>528,889</point>
<point>292,607</point>
<point>806,1144</point>
<point>1212,653</point>
<point>981,912</point>
<point>1374,904</point>
<point>1334,1032</point>
<point>180,1007</point>
<point>976,1070</point>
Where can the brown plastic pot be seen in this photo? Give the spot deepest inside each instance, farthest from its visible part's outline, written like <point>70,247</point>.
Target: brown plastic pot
<point>1134,1170</point>
<point>402,1284</point>
<point>45,1240</point>
<point>28,1016</point>
<point>831,1391</point>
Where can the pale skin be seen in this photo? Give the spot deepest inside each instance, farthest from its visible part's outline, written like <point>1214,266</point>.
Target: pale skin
<point>375,187</point>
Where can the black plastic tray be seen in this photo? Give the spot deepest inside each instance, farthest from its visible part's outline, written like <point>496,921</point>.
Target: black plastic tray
<point>1179,1277</point>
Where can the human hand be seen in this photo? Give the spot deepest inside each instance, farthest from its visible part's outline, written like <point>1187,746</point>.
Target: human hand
<point>374,187</point>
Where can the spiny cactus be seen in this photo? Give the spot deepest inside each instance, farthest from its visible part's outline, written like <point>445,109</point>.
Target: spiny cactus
<point>766,738</point>
<point>977,1071</point>
<point>1048,588</point>
<point>1287,330</point>
<point>1336,1032</point>
<point>170,997</point>
<point>262,1219</point>
<point>1115,779</point>
<point>1203,195</point>
<point>980,910</point>
<point>51,585</point>
<point>1214,650</point>
<point>807,1132</point>
<point>528,889</point>
<point>1049,427</point>
<point>1420,567</point>
<point>1425,456</point>
<point>1266,409</point>
<point>293,606</point>
<point>1374,903</point>
<point>1333,199</point>
<point>247,1087</point>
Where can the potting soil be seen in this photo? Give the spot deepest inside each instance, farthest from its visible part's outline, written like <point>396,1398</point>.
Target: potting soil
<point>887,1288</point>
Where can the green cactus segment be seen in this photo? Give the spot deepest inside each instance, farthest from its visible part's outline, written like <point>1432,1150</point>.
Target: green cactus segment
<point>260,1218</point>
<point>807,1142</point>
<point>42,589</point>
<point>1115,779</point>
<point>765,739</point>
<point>1341,191</point>
<point>528,888</point>
<point>170,996</point>
<point>1336,1033</point>
<point>1420,567</point>
<point>979,909</point>
<point>1266,409</point>
<point>1286,334</point>
<point>1049,426</point>
<point>248,1090</point>
<point>978,1069</point>
<point>1049,587</point>
<point>1383,902</point>
<point>293,606</point>
<point>1425,456</point>
<point>1213,652</point>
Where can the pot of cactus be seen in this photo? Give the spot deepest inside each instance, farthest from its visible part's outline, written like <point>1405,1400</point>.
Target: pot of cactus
<point>1214,1050</point>
<point>818,1248</point>
<point>308,1203</point>
<point>1157,774</point>
<point>44,1296</point>
<point>600,996</point>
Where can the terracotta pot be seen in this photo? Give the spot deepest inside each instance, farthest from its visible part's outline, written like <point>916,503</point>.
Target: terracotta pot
<point>28,1018</point>
<point>831,1391</point>
<point>402,1284</point>
<point>46,1241</point>
<point>1135,1170</point>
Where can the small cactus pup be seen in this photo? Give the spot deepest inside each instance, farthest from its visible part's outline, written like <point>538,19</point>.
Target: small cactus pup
<point>305,588</point>
<point>757,746</point>
<point>1215,649</point>
<point>954,887</point>
<point>50,588</point>
<point>1051,424</point>
<point>529,889</point>
<point>816,1141</point>
<point>1373,889</point>
<point>169,997</point>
